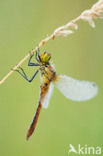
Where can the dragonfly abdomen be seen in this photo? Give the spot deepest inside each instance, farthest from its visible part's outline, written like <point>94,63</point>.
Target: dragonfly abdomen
<point>34,122</point>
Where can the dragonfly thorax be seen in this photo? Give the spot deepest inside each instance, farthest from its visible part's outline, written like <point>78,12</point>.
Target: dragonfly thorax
<point>47,73</point>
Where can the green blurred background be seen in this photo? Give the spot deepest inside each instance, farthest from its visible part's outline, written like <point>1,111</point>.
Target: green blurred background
<point>23,24</point>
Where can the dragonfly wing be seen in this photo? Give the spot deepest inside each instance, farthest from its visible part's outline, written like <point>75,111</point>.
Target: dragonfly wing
<point>76,90</point>
<point>47,96</point>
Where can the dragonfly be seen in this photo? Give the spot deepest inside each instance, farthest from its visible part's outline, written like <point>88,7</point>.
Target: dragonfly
<point>73,89</point>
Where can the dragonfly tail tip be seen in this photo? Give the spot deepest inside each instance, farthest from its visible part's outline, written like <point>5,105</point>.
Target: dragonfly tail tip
<point>27,137</point>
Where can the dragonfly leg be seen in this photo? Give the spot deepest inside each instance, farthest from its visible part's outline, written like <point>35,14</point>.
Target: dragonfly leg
<point>37,56</point>
<point>25,76</point>
<point>31,63</point>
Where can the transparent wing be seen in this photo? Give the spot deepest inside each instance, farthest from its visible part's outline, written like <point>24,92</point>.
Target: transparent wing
<point>48,96</point>
<point>76,90</point>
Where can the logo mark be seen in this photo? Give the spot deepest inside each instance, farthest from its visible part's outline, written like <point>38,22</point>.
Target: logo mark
<point>84,150</point>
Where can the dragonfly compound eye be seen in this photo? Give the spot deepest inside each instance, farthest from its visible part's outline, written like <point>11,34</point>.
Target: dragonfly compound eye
<point>45,57</point>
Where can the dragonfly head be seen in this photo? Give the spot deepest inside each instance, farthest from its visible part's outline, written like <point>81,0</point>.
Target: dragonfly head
<point>45,57</point>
